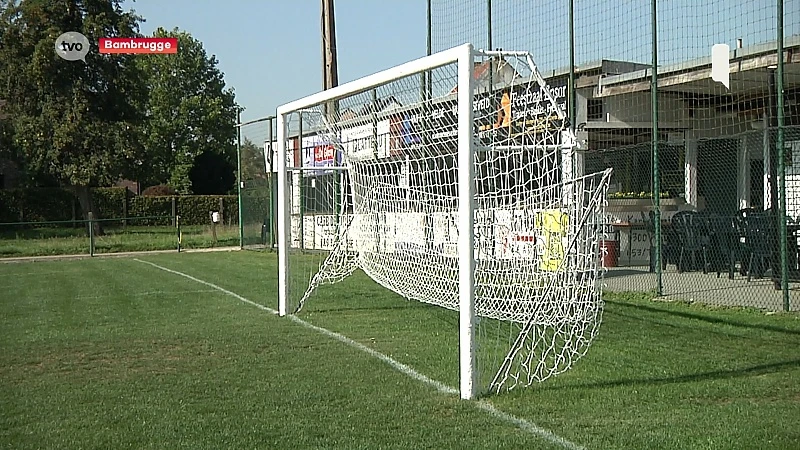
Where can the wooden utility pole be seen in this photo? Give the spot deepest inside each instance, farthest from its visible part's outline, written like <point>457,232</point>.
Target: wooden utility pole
<point>330,72</point>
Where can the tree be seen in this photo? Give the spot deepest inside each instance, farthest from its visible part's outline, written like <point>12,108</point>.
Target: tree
<point>211,174</point>
<point>253,164</point>
<point>76,122</point>
<point>189,111</point>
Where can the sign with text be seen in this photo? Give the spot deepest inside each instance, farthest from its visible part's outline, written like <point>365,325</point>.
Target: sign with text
<point>151,45</point>
<point>319,152</point>
<point>359,142</point>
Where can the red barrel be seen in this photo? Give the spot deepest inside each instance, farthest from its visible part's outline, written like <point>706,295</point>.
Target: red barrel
<point>609,253</point>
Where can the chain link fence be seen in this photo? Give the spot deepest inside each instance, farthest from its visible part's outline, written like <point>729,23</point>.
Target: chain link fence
<point>704,203</point>
<point>258,189</point>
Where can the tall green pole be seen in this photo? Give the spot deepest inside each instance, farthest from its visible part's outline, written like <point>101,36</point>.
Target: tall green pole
<point>273,186</point>
<point>430,27</point>
<point>781,165</point>
<point>571,93</point>
<point>656,171</point>
<point>239,173</point>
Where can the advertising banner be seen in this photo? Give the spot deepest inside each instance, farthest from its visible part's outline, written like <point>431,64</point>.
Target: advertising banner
<point>319,152</point>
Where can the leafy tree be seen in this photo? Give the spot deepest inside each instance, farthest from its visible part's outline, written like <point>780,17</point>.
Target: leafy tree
<point>189,111</point>
<point>253,164</point>
<point>211,174</point>
<point>73,121</point>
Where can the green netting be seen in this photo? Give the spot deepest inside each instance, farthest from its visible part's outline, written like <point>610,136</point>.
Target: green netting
<point>712,163</point>
<point>258,193</point>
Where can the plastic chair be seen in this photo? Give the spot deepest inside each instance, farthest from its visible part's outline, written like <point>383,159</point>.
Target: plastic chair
<point>759,240</point>
<point>723,244</point>
<point>691,230</point>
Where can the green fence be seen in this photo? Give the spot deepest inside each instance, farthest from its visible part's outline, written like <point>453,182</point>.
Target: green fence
<point>258,191</point>
<point>105,236</point>
<point>704,201</point>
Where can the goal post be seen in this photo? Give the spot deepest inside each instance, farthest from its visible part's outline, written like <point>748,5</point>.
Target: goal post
<point>463,56</point>
<point>448,180</point>
<point>466,219</point>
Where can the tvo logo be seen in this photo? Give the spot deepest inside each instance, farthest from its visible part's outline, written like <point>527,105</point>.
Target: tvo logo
<point>72,46</point>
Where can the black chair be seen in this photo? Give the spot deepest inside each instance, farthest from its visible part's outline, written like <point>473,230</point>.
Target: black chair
<point>649,221</point>
<point>759,233</point>
<point>743,249</point>
<point>723,244</point>
<point>691,230</point>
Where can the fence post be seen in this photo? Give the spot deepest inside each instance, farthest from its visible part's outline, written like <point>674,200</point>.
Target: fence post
<point>656,170</point>
<point>125,209</point>
<point>239,180</point>
<point>782,164</point>
<point>273,189</point>
<point>178,228</point>
<point>214,220</point>
<point>174,210</point>
<point>91,234</point>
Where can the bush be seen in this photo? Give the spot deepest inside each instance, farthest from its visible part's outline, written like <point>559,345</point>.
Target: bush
<point>194,209</point>
<point>36,205</point>
<point>111,202</point>
<point>143,206</point>
<point>58,204</point>
<point>159,190</point>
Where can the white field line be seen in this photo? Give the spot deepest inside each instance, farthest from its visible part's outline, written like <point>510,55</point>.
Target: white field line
<point>145,294</point>
<point>484,405</point>
<point>211,285</point>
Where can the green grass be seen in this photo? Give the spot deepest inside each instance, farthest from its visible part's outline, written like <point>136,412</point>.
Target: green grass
<point>118,354</point>
<point>67,241</point>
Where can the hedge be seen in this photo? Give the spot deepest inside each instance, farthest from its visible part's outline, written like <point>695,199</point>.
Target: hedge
<point>58,204</point>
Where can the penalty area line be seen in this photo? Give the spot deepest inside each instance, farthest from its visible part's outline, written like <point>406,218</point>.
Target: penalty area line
<point>397,365</point>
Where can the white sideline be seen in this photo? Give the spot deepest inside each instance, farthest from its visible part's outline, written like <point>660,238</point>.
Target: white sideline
<point>400,367</point>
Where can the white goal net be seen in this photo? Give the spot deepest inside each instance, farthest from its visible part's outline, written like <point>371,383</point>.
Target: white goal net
<point>451,180</point>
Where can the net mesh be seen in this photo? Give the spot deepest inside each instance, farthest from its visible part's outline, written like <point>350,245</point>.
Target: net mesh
<point>258,190</point>
<point>395,209</point>
<point>714,149</point>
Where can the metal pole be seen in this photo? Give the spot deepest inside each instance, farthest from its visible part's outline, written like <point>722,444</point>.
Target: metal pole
<point>489,24</point>
<point>239,175</point>
<point>656,171</point>
<point>284,217</point>
<point>430,27</point>
<point>272,188</point>
<point>571,93</point>
<point>781,165</point>
<point>299,186</point>
<point>489,45</point>
<point>91,233</point>
<point>466,238</point>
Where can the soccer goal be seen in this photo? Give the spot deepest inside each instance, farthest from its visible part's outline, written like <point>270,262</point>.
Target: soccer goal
<point>451,180</point>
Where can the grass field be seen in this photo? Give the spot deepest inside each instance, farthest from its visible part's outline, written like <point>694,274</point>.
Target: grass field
<point>18,242</point>
<point>118,353</point>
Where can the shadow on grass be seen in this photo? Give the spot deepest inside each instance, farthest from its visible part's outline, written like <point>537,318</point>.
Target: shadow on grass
<point>625,273</point>
<point>704,318</point>
<point>760,369</point>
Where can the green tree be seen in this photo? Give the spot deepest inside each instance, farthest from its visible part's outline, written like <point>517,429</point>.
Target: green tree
<point>253,164</point>
<point>73,121</point>
<point>189,111</point>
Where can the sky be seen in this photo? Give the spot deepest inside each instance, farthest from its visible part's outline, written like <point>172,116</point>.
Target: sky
<point>271,52</point>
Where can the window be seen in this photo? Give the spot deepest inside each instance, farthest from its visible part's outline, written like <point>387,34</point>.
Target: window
<point>594,109</point>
